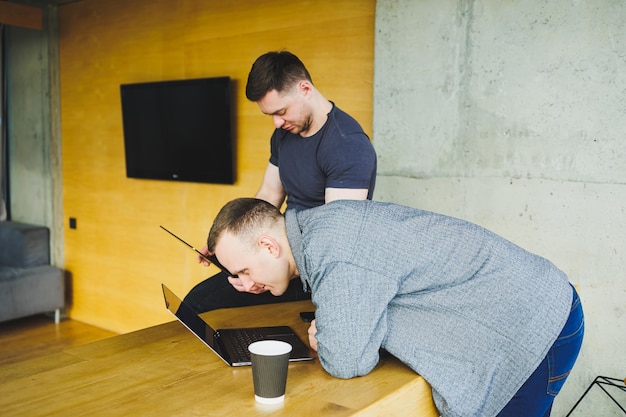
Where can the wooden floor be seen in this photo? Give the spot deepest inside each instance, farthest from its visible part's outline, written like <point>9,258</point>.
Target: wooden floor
<point>36,336</point>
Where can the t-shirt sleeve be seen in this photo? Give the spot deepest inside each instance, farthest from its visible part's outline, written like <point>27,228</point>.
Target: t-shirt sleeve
<point>274,149</point>
<point>349,162</point>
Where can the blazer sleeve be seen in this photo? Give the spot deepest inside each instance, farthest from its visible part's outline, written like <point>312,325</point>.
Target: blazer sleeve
<point>351,317</point>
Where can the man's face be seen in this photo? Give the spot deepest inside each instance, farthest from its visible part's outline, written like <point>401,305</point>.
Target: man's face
<point>257,267</point>
<point>289,109</point>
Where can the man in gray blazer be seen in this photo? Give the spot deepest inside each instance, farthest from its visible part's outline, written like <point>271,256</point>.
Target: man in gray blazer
<point>494,329</point>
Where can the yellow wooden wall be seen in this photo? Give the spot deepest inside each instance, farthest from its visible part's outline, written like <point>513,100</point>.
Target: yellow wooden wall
<point>118,256</point>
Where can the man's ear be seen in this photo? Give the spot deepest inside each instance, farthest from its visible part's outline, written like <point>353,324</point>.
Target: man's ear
<point>305,87</point>
<point>270,244</point>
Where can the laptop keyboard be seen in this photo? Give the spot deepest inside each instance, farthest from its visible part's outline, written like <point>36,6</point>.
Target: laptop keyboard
<point>238,342</point>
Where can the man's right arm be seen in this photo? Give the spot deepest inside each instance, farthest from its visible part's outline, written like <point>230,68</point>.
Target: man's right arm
<point>351,317</point>
<point>272,189</point>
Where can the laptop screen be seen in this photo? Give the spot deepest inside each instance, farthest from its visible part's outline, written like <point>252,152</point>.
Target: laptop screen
<point>190,319</point>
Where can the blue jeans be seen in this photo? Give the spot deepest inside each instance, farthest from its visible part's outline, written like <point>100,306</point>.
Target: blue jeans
<point>535,397</point>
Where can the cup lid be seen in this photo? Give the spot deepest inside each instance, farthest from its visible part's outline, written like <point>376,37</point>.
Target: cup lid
<point>269,347</point>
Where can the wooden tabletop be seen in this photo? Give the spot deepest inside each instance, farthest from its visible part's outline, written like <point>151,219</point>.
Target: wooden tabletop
<point>166,371</point>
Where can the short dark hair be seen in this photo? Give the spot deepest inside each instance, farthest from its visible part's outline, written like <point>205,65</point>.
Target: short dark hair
<point>243,217</point>
<point>274,71</point>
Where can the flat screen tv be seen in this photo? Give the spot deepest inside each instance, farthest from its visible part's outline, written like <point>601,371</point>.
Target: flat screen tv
<point>179,130</point>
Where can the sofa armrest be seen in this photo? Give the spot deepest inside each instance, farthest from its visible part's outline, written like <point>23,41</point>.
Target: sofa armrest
<point>24,245</point>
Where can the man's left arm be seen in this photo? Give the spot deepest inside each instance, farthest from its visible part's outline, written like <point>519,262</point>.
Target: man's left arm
<point>350,168</point>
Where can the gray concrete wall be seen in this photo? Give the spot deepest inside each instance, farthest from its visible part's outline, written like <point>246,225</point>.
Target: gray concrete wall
<point>28,140</point>
<point>33,123</point>
<point>513,115</point>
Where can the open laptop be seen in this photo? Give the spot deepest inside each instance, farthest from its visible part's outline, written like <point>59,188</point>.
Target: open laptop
<point>231,345</point>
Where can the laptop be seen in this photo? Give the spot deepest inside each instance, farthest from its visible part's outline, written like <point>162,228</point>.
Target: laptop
<point>231,345</point>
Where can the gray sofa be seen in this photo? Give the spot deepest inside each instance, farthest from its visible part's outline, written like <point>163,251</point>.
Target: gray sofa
<point>28,283</point>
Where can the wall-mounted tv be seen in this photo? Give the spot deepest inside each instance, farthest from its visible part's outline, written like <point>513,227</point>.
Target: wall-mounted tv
<point>179,130</point>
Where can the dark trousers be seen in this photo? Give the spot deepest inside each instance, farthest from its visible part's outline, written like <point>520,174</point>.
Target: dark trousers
<point>535,397</point>
<point>216,292</point>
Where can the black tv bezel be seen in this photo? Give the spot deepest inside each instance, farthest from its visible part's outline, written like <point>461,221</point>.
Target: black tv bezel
<point>207,159</point>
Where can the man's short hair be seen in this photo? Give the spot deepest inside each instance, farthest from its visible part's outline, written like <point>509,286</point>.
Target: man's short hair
<point>274,71</point>
<point>244,217</point>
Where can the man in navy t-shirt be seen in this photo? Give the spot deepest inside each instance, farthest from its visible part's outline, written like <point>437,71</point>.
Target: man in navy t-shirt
<point>318,154</point>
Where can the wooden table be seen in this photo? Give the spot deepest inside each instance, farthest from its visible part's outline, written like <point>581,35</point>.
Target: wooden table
<point>165,371</point>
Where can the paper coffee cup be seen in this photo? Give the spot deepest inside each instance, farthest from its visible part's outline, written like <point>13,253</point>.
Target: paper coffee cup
<point>270,361</point>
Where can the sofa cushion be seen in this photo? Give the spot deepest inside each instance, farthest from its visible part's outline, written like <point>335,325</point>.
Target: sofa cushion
<point>8,272</point>
<point>24,245</point>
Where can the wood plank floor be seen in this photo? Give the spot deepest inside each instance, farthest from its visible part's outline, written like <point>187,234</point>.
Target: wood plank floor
<point>36,336</point>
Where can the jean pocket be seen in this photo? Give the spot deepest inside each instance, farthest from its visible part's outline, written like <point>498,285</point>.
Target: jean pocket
<point>564,351</point>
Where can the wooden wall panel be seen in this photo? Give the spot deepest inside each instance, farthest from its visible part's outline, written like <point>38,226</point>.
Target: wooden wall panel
<point>21,15</point>
<point>118,256</point>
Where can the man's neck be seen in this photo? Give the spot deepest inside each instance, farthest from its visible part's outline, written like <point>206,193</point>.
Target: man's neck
<point>321,107</point>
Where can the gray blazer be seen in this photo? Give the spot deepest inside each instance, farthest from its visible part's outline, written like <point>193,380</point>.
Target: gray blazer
<point>471,312</point>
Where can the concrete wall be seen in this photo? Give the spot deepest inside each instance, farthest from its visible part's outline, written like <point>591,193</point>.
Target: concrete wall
<point>28,139</point>
<point>513,115</point>
<point>33,139</point>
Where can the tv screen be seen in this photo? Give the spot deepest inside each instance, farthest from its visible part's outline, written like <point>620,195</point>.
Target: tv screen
<point>179,130</point>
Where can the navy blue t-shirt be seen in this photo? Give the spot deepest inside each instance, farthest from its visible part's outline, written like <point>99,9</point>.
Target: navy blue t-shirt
<point>339,155</point>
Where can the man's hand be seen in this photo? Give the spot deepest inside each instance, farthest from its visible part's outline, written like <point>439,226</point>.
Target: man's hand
<point>235,282</point>
<point>252,288</point>
<point>205,252</point>
<point>312,339</point>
